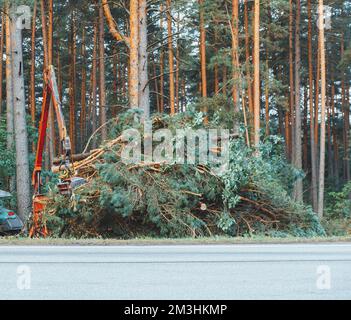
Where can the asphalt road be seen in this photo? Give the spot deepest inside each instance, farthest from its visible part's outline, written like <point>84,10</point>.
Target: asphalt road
<point>286,271</point>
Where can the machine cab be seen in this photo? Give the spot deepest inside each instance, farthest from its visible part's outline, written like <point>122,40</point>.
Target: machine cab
<point>10,223</point>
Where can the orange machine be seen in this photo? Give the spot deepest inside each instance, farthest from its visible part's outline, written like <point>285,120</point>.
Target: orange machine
<point>50,97</point>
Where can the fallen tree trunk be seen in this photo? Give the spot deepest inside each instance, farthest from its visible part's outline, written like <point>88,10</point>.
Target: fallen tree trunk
<point>75,157</point>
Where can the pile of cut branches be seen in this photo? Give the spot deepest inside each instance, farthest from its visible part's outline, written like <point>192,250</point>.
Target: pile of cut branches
<point>173,200</point>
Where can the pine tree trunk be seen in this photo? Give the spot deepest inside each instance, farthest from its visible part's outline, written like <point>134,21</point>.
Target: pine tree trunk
<point>224,84</point>
<point>215,68</point>
<point>280,111</point>
<point>161,63</point>
<point>83,92</point>
<point>133,55</point>
<point>170,59</point>
<point>44,33</point>
<point>298,188</point>
<point>32,70</point>
<point>266,85</point>
<point>59,70</point>
<point>9,94</point>
<point>305,130</point>
<point>102,86</point>
<point>235,63</point>
<point>20,125</point>
<point>323,96</point>
<point>119,81</point>
<point>316,111</point>
<point>335,138</point>
<point>313,144</point>
<point>157,93</point>
<point>144,89</point>
<point>203,51</point>
<point>93,84</point>
<point>50,32</point>
<point>256,54</point>
<point>343,100</point>
<point>59,82</point>
<point>124,81</point>
<point>329,139</point>
<point>347,133</point>
<point>177,66</point>
<point>184,101</point>
<point>115,80</point>
<point>267,69</point>
<point>290,132</point>
<point>72,91</point>
<point>346,113</point>
<point>247,57</point>
<point>2,40</point>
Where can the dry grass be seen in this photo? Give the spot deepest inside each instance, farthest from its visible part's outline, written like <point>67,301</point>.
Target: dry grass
<point>20,241</point>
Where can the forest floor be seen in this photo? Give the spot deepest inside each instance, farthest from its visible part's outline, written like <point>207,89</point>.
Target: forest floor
<point>4,241</point>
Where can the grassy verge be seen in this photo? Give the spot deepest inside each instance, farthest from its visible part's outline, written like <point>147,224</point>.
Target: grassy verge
<point>4,241</point>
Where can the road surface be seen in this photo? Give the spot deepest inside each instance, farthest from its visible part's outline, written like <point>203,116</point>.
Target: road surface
<point>285,271</point>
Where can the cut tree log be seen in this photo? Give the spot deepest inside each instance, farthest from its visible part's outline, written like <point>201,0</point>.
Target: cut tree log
<point>75,157</point>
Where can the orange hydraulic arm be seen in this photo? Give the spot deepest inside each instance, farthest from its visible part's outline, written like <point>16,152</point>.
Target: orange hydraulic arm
<point>50,96</point>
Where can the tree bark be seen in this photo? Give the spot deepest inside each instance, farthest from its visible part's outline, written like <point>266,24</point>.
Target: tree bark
<point>266,85</point>
<point>316,109</point>
<point>346,113</point>
<point>144,89</point>
<point>32,71</point>
<point>44,33</point>
<point>290,132</point>
<point>170,59</point>
<point>9,84</point>
<point>133,56</point>
<point>235,63</point>
<point>183,95</point>
<point>266,81</point>
<point>177,66</point>
<point>115,80</point>
<point>347,134</point>
<point>93,84</point>
<point>313,143</point>
<point>59,70</point>
<point>21,136</point>
<point>256,54</point>
<point>72,86</point>
<point>83,92</point>
<point>323,95</point>
<point>156,84</point>
<point>329,139</point>
<point>305,130</point>
<point>102,86</point>
<point>335,138</point>
<point>225,79</point>
<point>203,51</point>
<point>3,22</point>
<point>50,32</point>
<point>247,57</point>
<point>9,94</point>
<point>161,63</point>
<point>343,111</point>
<point>215,68</point>
<point>298,188</point>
